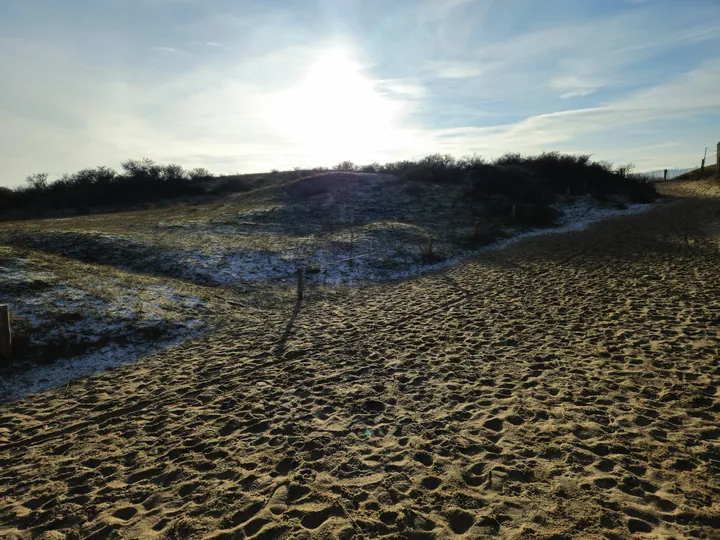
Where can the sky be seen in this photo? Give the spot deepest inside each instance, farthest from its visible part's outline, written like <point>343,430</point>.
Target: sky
<point>248,86</point>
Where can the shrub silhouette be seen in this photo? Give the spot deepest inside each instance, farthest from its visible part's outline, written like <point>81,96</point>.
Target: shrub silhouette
<point>347,166</point>
<point>142,181</point>
<point>528,182</point>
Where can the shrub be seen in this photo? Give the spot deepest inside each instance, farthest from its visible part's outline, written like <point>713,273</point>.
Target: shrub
<point>371,168</point>
<point>639,190</point>
<point>397,168</point>
<point>199,174</point>
<point>537,215</point>
<point>347,166</point>
<point>418,174</point>
<point>38,180</point>
<point>443,167</point>
<point>233,185</point>
<point>510,181</point>
<point>509,159</point>
<point>470,163</point>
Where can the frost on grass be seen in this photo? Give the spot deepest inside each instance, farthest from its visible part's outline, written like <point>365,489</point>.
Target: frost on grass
<point>62,331</point>
<point>364,235</point>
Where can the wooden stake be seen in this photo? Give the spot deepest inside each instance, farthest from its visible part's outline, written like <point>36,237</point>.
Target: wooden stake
<point>299,284</point>
<point>429,249</point>
<point>5,335</point>
<point>665,174</point>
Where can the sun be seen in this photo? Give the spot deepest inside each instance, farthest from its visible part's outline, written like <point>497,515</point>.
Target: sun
<point>335,112</point>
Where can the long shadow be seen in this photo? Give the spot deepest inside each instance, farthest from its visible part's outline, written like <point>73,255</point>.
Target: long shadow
<point>280,349</point>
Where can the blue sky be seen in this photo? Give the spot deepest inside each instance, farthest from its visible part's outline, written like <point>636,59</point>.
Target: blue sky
<point>241,86</point>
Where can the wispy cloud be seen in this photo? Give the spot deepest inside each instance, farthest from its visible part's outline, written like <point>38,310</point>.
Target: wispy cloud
<point>691,94</point>
<point>403,87</point>
<point>456,70</point>
<point>573,87</point>
<point>168,50</point>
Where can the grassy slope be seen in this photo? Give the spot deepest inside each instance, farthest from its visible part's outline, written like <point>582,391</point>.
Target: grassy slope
<point>710,171</point>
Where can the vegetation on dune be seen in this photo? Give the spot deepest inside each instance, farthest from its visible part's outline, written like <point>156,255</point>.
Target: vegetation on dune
<point>141,181</point>
<point>526,182</point>
<point>709,172</point>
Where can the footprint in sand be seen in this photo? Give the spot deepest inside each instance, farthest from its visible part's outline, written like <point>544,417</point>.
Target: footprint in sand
<point>460,521</point>
<point>125,513</point>
<point>278,501</point>
<point>424,458</point>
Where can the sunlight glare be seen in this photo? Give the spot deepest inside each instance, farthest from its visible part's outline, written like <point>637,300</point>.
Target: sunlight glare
<point>335,112</point>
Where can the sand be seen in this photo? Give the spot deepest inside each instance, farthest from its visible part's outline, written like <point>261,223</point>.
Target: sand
<point>564,387</point>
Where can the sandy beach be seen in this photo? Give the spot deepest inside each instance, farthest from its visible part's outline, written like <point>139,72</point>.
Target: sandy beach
<point>563,387</point>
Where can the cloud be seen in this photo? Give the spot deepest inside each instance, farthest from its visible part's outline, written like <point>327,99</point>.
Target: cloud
<point>690,94</point>
<point>169,50</point>
<point>583,56</point>
<point>217,45</point>
<point>403,87</point>
<point>456,70</point>
<point>573,87</point>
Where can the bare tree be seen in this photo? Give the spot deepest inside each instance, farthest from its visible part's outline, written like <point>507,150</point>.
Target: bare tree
<point>38,180</point>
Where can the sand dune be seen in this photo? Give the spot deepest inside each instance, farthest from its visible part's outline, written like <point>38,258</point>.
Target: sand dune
<point>564,387</point>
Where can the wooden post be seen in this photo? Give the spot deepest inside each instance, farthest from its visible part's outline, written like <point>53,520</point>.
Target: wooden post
<point>665,174</point>
<point>5,335</point>
<point>702,166</point>
<point>299,284</point>
<point>513,214</point>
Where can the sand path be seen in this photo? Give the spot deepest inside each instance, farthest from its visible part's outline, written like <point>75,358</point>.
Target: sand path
<point>564,387</point>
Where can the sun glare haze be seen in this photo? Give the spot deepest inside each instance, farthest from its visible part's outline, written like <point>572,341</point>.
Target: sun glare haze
<point>335,106</point>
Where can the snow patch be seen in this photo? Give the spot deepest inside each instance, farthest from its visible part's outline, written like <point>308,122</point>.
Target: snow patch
<point>85,327</point>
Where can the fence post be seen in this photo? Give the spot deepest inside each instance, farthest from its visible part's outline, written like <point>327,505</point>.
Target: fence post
<point>299,284</point>
<point>5,335</point>
<point>429,248</point>
<point>665,174</point>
